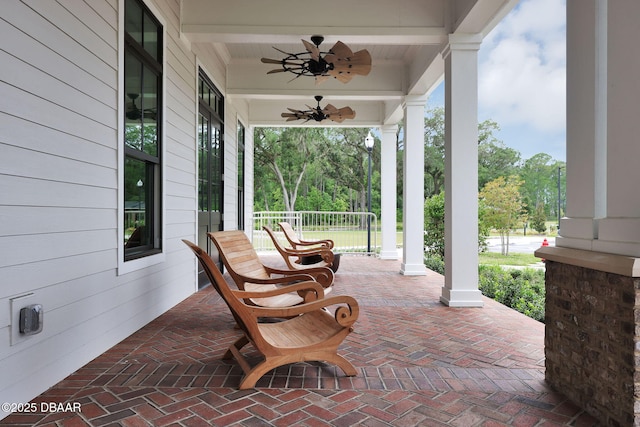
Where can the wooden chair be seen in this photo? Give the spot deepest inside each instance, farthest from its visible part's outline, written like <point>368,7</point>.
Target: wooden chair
<point>310,334</point>
<point>297,243</point>
<point>250,274</point>
<point>294,258</point>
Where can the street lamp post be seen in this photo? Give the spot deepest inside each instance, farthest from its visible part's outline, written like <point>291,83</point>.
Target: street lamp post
<point>368,142</point>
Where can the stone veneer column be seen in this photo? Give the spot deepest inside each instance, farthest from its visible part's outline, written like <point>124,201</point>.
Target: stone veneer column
<point>413,188</point>
<point>592,303</point>
<point>388,192</point>
<point>461,172</point>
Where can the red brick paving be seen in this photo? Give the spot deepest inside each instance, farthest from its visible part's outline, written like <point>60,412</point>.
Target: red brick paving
<point>419,362</point>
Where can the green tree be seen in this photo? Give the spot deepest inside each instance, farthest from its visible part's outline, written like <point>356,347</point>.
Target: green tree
<point>434,151</point>
<point>347,163</point>
<point>504,208</point>
<point>494,158</point>
<point>434,227</point>
<point>540,187</point>
<point>539,218</point>
<point>286,152</point>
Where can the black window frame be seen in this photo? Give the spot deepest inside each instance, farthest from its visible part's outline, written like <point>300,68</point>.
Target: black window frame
<point>146,239</point>
<point>241,174</point>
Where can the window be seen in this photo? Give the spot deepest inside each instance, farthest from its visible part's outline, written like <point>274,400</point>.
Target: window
<point>143,68</point>
<point>241,133</point>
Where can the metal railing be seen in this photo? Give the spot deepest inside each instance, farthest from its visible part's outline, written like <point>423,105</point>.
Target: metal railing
<point>351,232</point>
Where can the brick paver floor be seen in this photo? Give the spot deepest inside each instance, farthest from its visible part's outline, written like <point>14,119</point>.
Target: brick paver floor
<point>419,363</point>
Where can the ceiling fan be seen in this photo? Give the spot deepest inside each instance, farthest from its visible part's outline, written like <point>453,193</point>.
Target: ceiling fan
<point>135,113</point>
<point>339,62</point>
<point>319,114</point>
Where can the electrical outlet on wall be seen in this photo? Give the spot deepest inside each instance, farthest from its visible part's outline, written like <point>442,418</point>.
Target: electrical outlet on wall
<point>18,303</point>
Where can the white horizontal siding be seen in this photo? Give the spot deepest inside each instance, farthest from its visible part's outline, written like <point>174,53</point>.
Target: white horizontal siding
<point>47,33</point>
<point>21,278</point>
<point>79,321</point>
<point>29,135</point>
<point>39,247</point>
<point>17,73</point>
<point>59,186</point>
<point>44,166</point>
<point>31,107</point>
<point>32,52</point>
<point>33,192</point>
<point>26,220</point>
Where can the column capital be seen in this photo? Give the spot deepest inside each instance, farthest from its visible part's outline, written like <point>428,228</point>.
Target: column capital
<point>415,101</point>
<point>462,42</point>
<point>389,128</point>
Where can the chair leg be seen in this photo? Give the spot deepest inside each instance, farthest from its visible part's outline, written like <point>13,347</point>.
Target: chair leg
<point>252,377</point>
<point>346,366</point>
<point>241,342</point>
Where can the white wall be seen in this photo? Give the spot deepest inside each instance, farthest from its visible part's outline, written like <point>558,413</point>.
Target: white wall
<point>59,186</point>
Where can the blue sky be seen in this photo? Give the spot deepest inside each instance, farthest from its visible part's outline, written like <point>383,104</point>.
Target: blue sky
<point>521,81</point>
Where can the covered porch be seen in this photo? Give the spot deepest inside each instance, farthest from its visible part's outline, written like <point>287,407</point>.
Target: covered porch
<point>418,362</point>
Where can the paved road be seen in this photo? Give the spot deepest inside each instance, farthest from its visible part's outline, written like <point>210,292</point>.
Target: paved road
<point>521,244</point>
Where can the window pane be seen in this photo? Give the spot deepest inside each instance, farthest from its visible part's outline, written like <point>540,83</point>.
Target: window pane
<point>136,206</point>
<point>133,131</point>
<point>149,113</point>
<point>133,20</point>
<point>203,181</point>
<point>150,42</point>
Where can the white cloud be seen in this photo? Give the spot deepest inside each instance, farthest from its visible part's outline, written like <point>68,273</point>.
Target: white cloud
<point>522,67</point>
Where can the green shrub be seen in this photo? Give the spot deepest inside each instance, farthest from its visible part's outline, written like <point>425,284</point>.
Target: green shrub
<point>523,290</point>
<point>434,262</point>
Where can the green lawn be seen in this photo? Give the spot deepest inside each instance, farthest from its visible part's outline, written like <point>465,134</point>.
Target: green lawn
<point>516,259</point>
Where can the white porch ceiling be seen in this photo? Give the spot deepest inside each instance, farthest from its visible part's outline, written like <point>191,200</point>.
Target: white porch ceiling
<point>404,37</point>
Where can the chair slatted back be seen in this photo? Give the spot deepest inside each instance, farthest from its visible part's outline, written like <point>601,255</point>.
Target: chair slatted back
<point>238,255</point>
<point>237,308</point>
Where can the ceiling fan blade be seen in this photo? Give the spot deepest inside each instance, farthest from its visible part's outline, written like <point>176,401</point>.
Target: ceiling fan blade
<point>340,50</point>
<point>329,109</point>
<point>347,113</point>
<point>290,116</point>
<point>270,61</point>
<point>312,49</point>
<point>321,79</point>
<point>359,63</point>
<point>340,115</point>
<point>342,77</point>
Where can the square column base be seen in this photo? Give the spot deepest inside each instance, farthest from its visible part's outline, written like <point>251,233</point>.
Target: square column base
<point>413,269</point>
<point>461,298</point>
<point>388,255</point>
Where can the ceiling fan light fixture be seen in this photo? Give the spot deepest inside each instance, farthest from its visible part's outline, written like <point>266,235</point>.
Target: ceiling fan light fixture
<point>339,62</point>
<point>319,114</point>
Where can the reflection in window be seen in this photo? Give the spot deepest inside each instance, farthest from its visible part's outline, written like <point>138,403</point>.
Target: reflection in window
<point>142,99</point>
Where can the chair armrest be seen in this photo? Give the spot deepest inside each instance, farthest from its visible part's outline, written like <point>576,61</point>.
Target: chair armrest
<point>345,314</point>
<point>322,275</point>
<point>327,243</point>
<point>309,291</point>
<point>292,276</point>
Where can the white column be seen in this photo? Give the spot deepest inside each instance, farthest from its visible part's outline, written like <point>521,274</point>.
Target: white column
<point>388,192</point>
<point>413,188</point>
<point>619,232</point>
<point>461,172</point>
<point>586,123</point>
